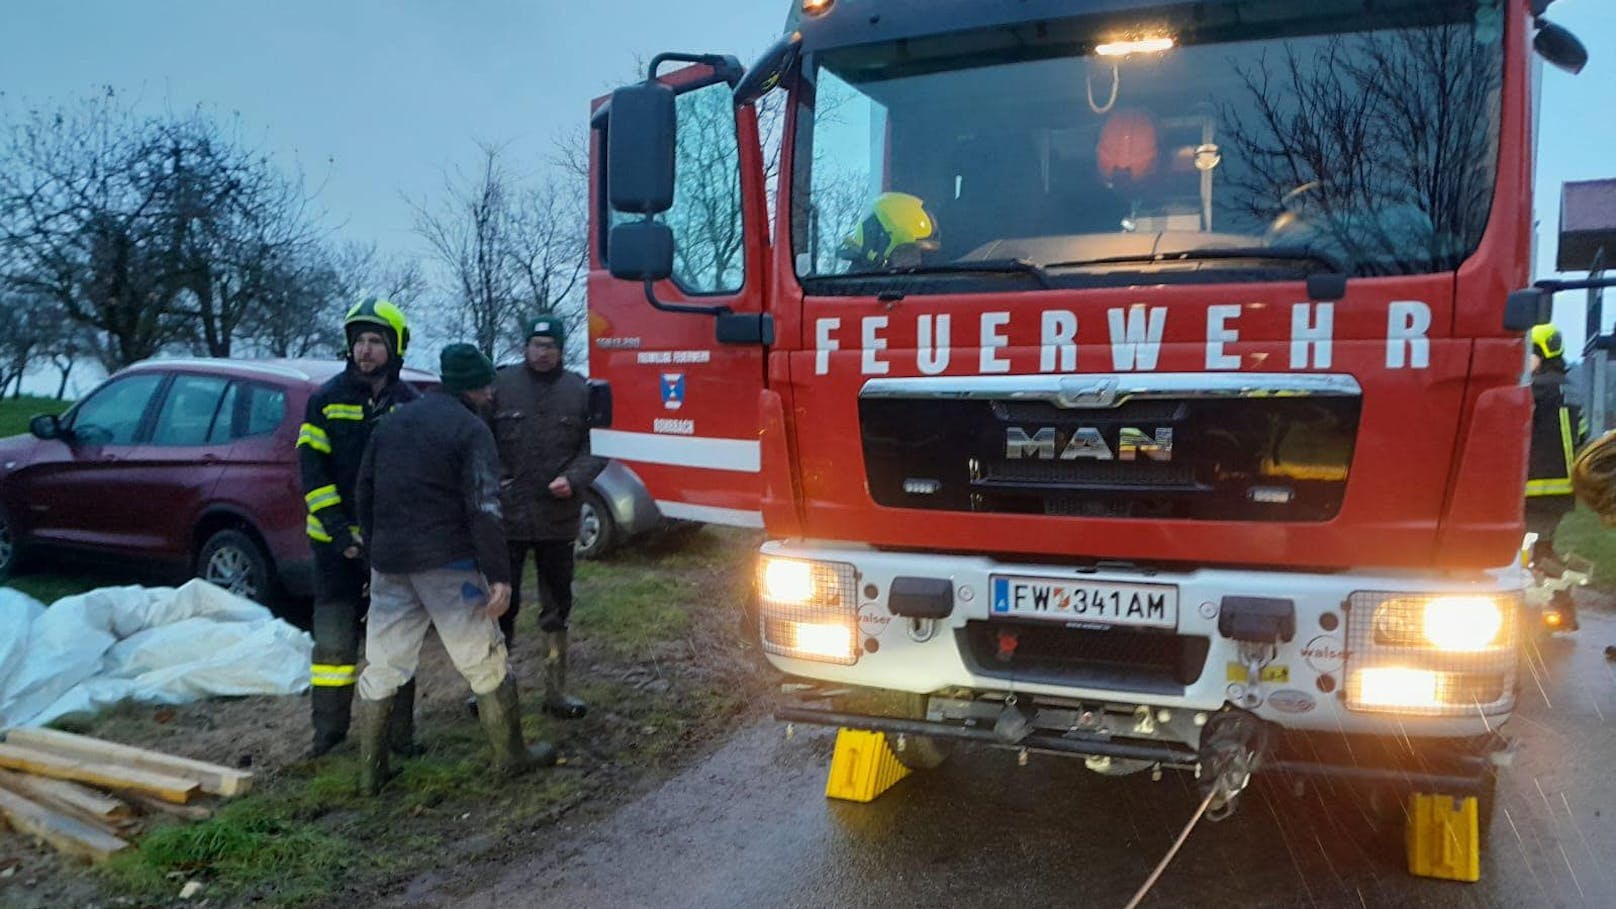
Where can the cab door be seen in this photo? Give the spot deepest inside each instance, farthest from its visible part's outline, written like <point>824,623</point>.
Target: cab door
<point>686,411</point>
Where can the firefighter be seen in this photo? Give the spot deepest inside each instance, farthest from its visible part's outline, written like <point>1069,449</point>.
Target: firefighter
<point>428,499</point>
<point>1557,431</point>
<point>541,423</point>
<point>895,233</point>
<point>336,427</point>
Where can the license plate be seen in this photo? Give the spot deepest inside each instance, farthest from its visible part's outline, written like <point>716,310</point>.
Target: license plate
<point>1099,602</point>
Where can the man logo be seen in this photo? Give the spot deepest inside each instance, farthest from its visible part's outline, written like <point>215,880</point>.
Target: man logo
<point>1049,443</point>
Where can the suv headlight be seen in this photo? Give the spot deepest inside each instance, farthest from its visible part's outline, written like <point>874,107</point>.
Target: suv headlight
<point>808,609</point>
<point>1431,654</point>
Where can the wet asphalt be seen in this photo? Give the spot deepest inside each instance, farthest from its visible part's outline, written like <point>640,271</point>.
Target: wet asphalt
<point>750,827</point>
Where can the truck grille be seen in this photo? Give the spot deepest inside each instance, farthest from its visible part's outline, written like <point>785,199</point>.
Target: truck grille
<point>1170,446</point>
<point>1116,659</point>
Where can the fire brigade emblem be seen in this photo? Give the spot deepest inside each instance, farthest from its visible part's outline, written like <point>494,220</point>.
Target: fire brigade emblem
<point>673,390</point>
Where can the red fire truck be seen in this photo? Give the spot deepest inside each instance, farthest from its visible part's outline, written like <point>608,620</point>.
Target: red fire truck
<point>1138,380</point>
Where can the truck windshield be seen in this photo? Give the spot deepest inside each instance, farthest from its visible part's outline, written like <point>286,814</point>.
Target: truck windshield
<point>1225,141</point>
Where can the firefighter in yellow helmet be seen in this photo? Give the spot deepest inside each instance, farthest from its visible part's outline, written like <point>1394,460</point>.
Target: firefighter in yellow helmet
<point>1557,432</point>
<point>336,426</point>
<point>894,234</point>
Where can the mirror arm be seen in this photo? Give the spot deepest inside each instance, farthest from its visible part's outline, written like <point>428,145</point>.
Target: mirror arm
<point>726,68</point>
<point>650,297</point>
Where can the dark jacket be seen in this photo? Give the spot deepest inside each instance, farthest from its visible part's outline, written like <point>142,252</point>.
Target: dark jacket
<point>541,421</point>
<point>429,491</point>
<point>1557,431</point>
<point>336,426</point>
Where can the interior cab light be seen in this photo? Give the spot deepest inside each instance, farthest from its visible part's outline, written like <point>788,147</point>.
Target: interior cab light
<point>1153,45</point>
<point>817,7</point>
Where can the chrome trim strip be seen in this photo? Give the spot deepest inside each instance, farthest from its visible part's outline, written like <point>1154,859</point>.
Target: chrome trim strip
<point>1108,390</point>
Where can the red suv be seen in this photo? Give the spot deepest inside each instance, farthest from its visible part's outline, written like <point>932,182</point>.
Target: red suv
<point>185,463</point>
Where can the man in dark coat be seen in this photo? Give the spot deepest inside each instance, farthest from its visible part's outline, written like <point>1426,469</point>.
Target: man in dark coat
<point>541,423</point>
<point>428,496</point>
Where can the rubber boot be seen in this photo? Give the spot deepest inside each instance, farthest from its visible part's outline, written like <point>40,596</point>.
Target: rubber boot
<point>401,726</point>
<point>331,707</point>
<point>556,701</point>
<point>373,723</point>
<point>502,719</point>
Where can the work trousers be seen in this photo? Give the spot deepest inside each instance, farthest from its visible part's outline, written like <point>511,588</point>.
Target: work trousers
<point>553,560</point>
<point>452,600</point>
<point>1543,514</point>
<point>339,604</point>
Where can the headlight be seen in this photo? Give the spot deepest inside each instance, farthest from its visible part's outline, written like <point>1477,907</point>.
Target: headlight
<point>808,609</point>
<point>1431,654</point>
<point>788,581</point>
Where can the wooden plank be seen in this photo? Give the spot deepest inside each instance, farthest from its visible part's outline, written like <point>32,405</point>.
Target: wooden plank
<point>215,778</point>
<point>44,763</point>
<point>36,789</point>
<point>68,835</point>
<point>85,799</point>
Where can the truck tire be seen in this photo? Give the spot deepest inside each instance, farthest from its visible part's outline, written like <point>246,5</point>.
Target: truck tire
<point>597,532</point>
<point>233,560</point>
<point>10,548</point>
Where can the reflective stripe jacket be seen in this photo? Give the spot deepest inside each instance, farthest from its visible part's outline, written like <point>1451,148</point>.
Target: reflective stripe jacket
<point>1557,431</point>
<point>336,426</point>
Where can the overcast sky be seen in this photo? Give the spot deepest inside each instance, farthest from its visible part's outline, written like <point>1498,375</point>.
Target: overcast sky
<point>372,100</point>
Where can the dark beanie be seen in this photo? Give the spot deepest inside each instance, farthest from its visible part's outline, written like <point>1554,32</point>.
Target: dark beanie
<point>548,325</point>
<point>464,368</point>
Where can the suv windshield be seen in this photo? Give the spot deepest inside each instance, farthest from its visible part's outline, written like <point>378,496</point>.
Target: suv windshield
<point>1206,142</point>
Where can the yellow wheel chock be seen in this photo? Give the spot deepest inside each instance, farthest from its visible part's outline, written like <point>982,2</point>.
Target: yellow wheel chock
<point>1444,837</point>
<point>862,766</point>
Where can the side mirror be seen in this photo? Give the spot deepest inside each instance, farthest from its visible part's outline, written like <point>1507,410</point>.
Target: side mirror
<point>769,69</point>
<point>640,137</point>
<point>600,404</point>
<point>1559,47</point>
<point>46,426</point>
<point>1526,308</point>
<point>640,251</point>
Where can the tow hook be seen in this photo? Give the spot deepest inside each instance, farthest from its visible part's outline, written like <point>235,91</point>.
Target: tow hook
<point>1233,746</point>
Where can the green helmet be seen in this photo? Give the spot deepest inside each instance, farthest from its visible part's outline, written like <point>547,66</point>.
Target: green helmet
<point>1547,341</point>
<point>375,312</point>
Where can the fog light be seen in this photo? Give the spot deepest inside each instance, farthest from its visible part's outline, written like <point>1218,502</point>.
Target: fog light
<point>1463,624</point>
<point>788,581</point>
<point>832,642</point>
<point>1397,688</point>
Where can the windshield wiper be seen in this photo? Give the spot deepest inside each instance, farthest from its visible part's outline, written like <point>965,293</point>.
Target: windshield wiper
<point>1294,254</point>
<point>980,267</point>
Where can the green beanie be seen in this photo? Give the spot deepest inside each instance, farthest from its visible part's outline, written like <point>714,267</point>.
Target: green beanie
<point>464,368</point>
<point>548,325</point>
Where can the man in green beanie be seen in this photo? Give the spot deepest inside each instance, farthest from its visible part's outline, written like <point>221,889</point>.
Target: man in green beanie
<point>541,423</point>
<point>429,507</point>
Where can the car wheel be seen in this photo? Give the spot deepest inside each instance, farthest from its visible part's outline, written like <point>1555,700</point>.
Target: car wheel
<point>233,560</point>
<point>597,532</point>
<point>9,547</point>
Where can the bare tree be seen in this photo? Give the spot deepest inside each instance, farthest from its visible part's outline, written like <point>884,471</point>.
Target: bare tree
<point>470,232</point>
<point>549,251</point>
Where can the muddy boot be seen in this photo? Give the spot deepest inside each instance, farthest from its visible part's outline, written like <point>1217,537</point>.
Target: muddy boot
<point>401,726</point>
<point>331,708</point>
<point>556,702</point>
<point>372,721</point>
<point>502,720</point>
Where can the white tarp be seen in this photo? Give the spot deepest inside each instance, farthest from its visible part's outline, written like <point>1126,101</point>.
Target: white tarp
<point>156,645</point>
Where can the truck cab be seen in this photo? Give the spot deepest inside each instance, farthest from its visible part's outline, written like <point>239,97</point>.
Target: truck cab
<point>1143,381</point>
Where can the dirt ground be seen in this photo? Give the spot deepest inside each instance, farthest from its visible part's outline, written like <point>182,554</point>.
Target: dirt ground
<point>655,704</point>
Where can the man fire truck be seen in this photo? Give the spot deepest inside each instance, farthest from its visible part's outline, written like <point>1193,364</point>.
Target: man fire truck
<point>1189,429</point>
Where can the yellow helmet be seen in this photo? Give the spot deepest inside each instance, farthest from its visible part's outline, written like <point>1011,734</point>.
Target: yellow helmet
<point>383,314</point>
<point>1593,477</point>
<point>1547,341</point>
<point>895,220</point>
